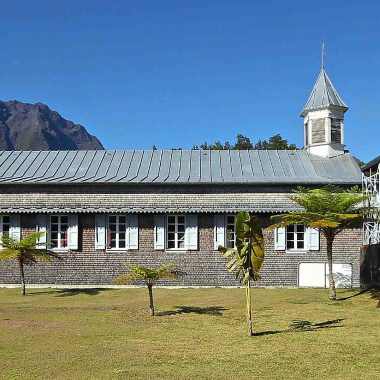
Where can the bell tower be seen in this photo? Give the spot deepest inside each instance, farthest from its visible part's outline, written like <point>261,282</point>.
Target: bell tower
<point>323,118</point>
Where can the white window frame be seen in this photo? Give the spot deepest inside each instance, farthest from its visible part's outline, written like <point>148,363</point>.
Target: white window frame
<point>118,231</point>
<point>176,232</point>
<point>296,239</point>
<point>2,224</point>
<point>226,224</point>
<point>59,247</point>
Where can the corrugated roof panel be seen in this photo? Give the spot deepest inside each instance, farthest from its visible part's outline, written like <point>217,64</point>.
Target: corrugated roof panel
<point>266,163</point>
<point>4,154</point>
<point>276,163</point>
<point>13,163</point>
<point>205,166</point>
<point>94,166</point>
<point>154,168</point>
<point>285,163</point>
<point>216,172</point>
<point>145,166</point>
<point>297,165</point>
<point>134,167</point>
<point>165,166</point>
<point>86,163</point>
<point>55,162</point>
<point>237,173</point>
<point>195,169</point>
<point>34,170</point>
<point>225,163</point>
<point>184,172</point>
<point>48,158</point>
<point>307,165</point>
<point>176,166</point>
<point>245,163</point>
<point>331,169</point>
<point>64,166</point>
<point>257,167</point>
<point>124,166</point>
<point>28,164</point>
<point>76,164</point>
<point>104,167</point>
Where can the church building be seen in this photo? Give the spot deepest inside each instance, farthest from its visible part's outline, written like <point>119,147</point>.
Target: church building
<point>101,209</point>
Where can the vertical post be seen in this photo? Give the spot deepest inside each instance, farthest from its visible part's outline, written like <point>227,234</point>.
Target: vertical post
<point>249,309</point>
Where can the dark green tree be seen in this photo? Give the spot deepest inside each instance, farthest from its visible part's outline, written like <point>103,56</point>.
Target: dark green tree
<point>244,142</point>
<point>275,142</point>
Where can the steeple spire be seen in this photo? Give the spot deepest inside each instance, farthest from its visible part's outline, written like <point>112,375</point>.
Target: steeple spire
<point>323,117</point>
<point>323,55</point>
<point>323,93</point>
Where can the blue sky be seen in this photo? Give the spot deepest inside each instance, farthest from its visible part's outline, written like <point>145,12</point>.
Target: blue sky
<point>177,73</point>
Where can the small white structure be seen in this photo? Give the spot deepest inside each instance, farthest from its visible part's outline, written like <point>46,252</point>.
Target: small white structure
<point>323,118</point>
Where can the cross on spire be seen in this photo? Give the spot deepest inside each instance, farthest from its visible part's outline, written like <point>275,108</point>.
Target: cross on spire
<point>323,55</point>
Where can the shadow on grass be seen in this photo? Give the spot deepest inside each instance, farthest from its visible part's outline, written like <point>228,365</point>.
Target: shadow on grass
<point>303,326</point>
<point>374,292</point>
<point>211,310</point>
<point>72,292</point>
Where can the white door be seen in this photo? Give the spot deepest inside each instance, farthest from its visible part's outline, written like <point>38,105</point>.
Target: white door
<point>315,275</point>
<point>311,275</point>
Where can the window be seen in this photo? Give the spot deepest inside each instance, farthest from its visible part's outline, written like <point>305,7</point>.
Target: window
<point>4,224</point>
<point>295,237</point>
<point>230,231</point>
<point>318,131</point>
<point>336,133</point>
<point>58,231</point>
<point>176,231</point>
<point>224,231</point>
<point>117,227</point>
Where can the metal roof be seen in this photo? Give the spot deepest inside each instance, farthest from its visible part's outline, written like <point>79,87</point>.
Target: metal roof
<point>323,94</point>
<point>176,167</point>
<point>140,202</point>
<point>373,164</point>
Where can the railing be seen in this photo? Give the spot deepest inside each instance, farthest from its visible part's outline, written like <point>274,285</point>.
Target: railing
<point>371,187</point>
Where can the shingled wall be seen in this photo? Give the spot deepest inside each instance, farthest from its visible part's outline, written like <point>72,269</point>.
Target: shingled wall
<point>204,267</point>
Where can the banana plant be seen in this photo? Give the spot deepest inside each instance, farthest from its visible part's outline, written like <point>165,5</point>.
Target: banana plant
<point>247,258</point>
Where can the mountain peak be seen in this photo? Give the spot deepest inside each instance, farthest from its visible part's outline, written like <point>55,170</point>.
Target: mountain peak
<point>25,126</point>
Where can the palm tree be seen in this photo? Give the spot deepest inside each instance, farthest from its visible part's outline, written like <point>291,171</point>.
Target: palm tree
<point>330,210</point>
<point>247,258</point>
<point>25,252</point>
<point>147,275</point>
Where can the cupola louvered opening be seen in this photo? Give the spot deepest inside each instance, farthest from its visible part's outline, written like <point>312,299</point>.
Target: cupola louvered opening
<point>307,134</point>
<point>318,131</point>
<point>336,132</point>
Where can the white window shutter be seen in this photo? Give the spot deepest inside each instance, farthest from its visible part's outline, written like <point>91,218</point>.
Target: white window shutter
<point>312,239</point>
<point>15,226</point>
<point>159,232</point>
<point>191,234</point>
<point>280,239</point>
<point>219,231</point>
<point>132,232</point>
<point>100,231</point>
<point>72,231</point>
<point>41,226</point>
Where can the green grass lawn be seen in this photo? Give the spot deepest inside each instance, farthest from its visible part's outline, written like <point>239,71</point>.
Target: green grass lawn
<point>197,334</point>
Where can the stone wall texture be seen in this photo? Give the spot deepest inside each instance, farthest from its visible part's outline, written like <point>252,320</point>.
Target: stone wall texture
<point>204,267</point>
